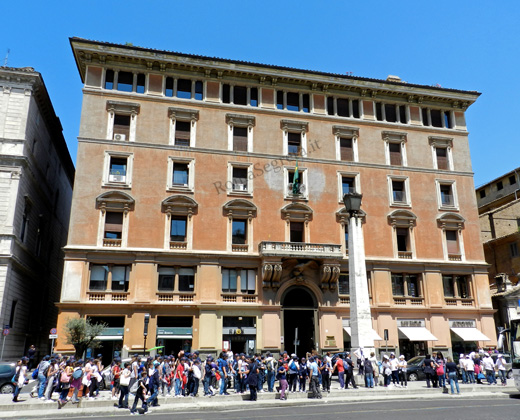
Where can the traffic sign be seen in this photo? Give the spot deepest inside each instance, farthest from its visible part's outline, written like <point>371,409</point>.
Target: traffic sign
<point>53,336</point>
<point>54,331</point>
<point>5,331</point>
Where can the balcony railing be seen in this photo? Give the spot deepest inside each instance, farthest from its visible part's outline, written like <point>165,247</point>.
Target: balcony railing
<point>408,301</point>
<point>300,249</point>
<point>103,296</point>
<point>115,243</point>
<point>407,255</point>
<point>239,248</point>
<point>459,301</point>
<point>454,257</point>
<point>178,245</point>
<point>175,297</point>
<point>238,298</point>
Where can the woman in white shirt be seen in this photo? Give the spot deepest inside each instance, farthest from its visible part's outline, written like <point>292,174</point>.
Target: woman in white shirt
<point>502,373</point>
<point>19,377</point>
<point>402,367</point>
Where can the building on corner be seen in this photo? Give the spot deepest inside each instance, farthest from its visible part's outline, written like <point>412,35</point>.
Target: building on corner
<point>209,196</point>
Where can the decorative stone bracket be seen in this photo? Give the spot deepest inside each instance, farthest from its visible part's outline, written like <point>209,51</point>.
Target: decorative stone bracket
<point>329,275</point>
<point>271,274</point>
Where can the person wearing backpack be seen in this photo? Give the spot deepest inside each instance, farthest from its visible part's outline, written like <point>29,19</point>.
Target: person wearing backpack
<point>42,376</point>
<point>77,380</point>
<point>270,364</point>
<point>439,370</point>
<point>65,376</point>
<point>252,376</point>
<point>19,377</point>
<point>293,372</point>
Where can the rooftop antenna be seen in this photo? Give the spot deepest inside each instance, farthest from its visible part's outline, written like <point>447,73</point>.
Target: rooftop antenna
<point>6,57</point>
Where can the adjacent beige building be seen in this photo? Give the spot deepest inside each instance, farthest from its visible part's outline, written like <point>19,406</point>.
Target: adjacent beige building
<point>209,195</point>
<point>36,177</point>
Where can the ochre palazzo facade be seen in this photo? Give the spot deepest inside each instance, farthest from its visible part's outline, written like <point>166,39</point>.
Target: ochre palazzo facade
<point>208,194</point>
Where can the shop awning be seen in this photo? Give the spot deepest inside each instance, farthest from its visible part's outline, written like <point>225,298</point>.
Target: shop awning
<point>109,337</point>
<point>375,335</point>
<point>175,336</point>
<point>470,334</point>
<point>417,334</point>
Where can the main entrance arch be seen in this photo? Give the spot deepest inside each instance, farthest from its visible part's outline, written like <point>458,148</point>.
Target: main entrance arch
<point>299,312</point>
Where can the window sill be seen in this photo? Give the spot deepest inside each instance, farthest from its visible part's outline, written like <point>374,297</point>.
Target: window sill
<point>178,246</point>
<point>449,208</point>
<point>116,185</point>
<point>112,243</point>
<point>400,205</point>
<point>458,301</point>
<point>406,255</point>
<point>241,193</point>
<point>454,257</point>
<point>180,188</point>
<point>239,248</point>
<point>408,301</point>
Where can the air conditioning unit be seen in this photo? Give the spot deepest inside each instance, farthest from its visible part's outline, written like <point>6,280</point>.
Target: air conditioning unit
<point>117,178</point>
<point>239,187</point>
<point>120,137</point>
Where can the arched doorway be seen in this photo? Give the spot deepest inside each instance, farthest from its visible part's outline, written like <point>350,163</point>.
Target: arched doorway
<point>299,307</point>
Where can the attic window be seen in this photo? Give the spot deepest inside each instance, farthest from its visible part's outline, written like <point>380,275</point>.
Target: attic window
<point>125,81</point>
<point>500,185</point>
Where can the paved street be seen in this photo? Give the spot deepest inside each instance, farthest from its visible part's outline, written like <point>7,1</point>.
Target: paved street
<point>504,408</point>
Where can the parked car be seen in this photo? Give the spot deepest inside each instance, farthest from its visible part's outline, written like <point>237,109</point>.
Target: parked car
<point>415,370</point>
<point>7,371</point>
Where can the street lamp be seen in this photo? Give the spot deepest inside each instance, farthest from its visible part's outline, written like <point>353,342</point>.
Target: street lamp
<point>360,316</point>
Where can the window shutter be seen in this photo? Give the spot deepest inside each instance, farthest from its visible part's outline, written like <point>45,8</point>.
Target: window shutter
<point>452,242</point>
<point>240,139</point>
<point>395,154</point>
<point>114,222</point>
<point>346,150</point>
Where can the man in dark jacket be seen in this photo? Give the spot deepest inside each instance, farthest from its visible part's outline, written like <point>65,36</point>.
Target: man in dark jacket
<point>154,383</point>
<point>349,369</point>
<point>252,376</point>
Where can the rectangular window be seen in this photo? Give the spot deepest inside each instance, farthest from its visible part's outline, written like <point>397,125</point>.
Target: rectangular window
<point>447,119</point>
<point>294,143</point>
<point>166,279</point>
<point>394,150</point>
<point>118,166</point>
<point>240,139</point>
<point>397,285</point>
<point>355,108</point>
<point>109,79</point>
<point>125,81</point>
<point>297,232</point>
<point>413,286</point>
<point>293,101</point>
<point>239,232</point>
<point>199,91</point>
<point>442,157</point>
<point>447,195</point>
<point>113,225</point>
<point>348,184</point>
<point>180,174</point>
<point>403,242</point>
<point>512,180</point>
<point>184,88</point>
<point>229,280</point>
<point>500,185</point>
<point>254,97</point>
<point>226,94</point>
<point>346,237</point>
<point>448,286</point>
<point>390,113</point>
<point>23,229</point>
<point>424,112</point>
<point>463,286</point>
<point>402,114</point>
<point>379,111</point>
<point>141,78</point>
<point>168,87</point>
<point>186,280</point>
<point>513,248</point>
<point>13,313</point>
<point>248,282</point>
<point>306,103</point>
<point>120,274</point>
<point>330,105</point>
<point>178,229</point>
<point>182,133</point>
<point>344,284</point>
<point>482,193</point>
<point>342,107</point>
<point>279,99</point>
<point>436,117</point>
<point>398,191</point>
<point>121,127</point>
<point>239,179</point>
<point>452,242</point>
<point>98,277</point>
<point>346,149</point>
<point>240,95</point>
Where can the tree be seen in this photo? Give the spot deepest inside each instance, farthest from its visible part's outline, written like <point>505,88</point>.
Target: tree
<point>82,333</point>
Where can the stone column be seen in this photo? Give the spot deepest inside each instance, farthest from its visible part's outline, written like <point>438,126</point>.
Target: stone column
<point>360,316</point>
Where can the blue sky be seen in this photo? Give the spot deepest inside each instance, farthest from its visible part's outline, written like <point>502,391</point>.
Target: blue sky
<point>469,45</point>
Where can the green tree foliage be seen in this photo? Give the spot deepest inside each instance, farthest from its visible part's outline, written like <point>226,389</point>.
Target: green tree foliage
<point>81,333</point>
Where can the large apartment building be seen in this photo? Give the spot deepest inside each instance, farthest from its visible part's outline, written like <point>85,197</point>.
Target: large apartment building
<point>209,195</point>
<point>36,177</point>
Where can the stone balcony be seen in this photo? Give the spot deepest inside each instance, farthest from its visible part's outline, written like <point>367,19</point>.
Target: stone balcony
<point>300,250</point>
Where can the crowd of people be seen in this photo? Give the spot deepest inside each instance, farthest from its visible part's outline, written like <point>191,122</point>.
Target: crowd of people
<point>145,378</point>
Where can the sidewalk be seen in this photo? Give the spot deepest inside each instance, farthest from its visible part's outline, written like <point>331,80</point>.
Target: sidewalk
<point>33,407</point>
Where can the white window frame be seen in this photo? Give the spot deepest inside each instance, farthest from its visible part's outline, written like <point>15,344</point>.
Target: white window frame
<point>305,181</point>
<point>451,221</point>
<point>357,183</point>
<point>460,242</point>
<point>395,137</point>
<point>411,238</point>
<point>349,133</point>
<point>189,230</point>
<point>232,94</point>
<point>101,228</point>
<point>230,186</point>
<point>408,202</point>
<point>191,174</point>
<point>183,114</point>
<point>438,184</point>
<point>444,143</point>
<point>289,126</point>
<point>106,182</point>
<point>122,108</point>
<point>237,120</point>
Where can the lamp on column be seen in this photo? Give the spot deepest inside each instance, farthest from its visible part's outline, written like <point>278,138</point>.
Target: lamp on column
<point>352,201</point>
